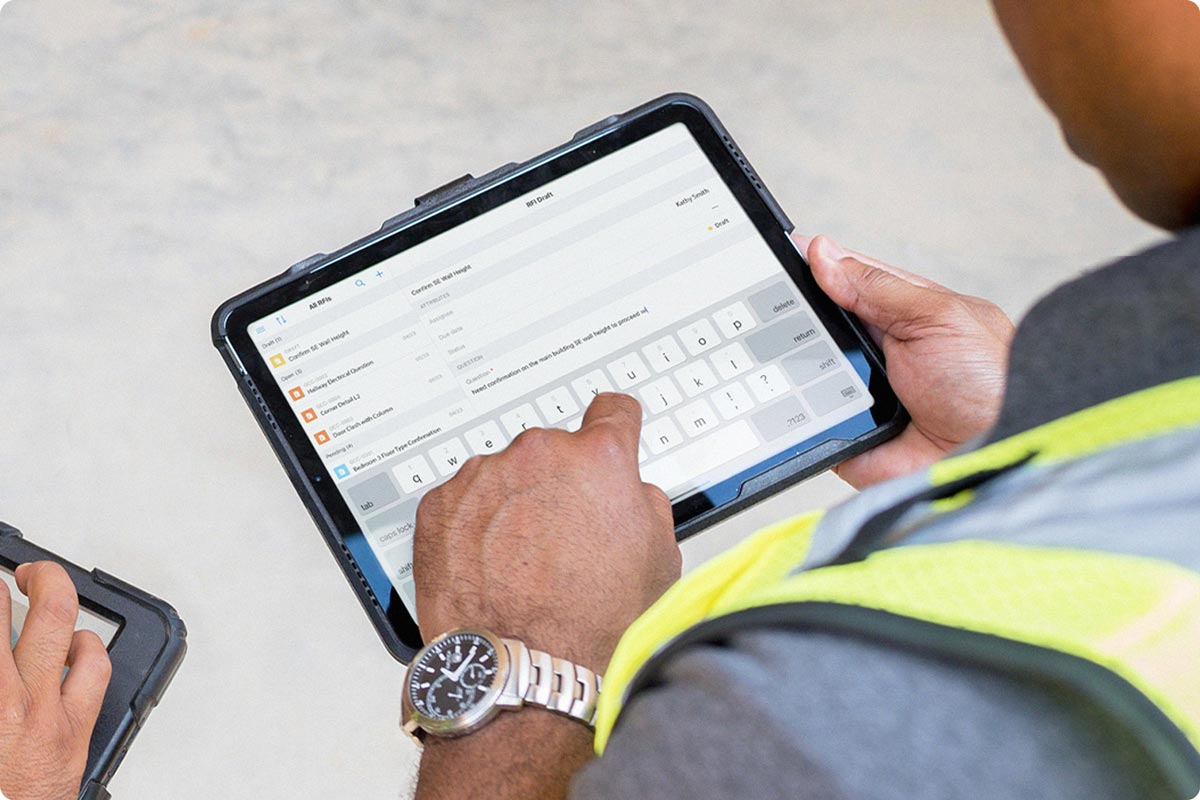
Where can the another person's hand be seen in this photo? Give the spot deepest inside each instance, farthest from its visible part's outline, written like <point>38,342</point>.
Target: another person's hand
<point>555,541</point>
<point>947,355</point>
<point>46,721</point>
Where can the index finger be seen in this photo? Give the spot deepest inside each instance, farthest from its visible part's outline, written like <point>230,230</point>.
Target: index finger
<point>41,651</point>
<point>621,415</point>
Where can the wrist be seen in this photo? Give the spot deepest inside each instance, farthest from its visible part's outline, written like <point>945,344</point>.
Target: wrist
<point>531,754</point>
<point>589,649</point>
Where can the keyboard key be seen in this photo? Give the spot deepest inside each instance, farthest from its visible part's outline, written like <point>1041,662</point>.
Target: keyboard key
<point>642,454</point>
<point>557,405</point>
<point>590,385</point>
<point>449,456</point>
<point>485,439</point>
<point>731,360</point>
<point>400,561</point>
<point>674,471</point>
<point>732,400</point>
<point>696,378</point>
<point>776,299</point>
<point>767,383</point>
<point>696,418</point>
<point>414,474</point>
<point>781,418</point>
<point>810,363</point>
<point>398,522</point>
<point>403,567</point>
<point>660,395</point>
<point>782,337</point>
<point>520,419</point>
<point>628,370</point>
<point>373,493</point>
<point>407,588</point>
<point>699,336</point>
<point>573,425</point>
<point>663,354</point>
<point>734,320</point>
<point>832,393</point>
<point>661,435</point>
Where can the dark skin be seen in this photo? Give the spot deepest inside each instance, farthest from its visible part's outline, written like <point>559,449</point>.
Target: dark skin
<point>505,524</point>
<point>1123,78</point>
<point>558,542</point>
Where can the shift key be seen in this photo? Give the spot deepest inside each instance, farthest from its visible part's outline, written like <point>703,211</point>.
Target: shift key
<point>782,337</point>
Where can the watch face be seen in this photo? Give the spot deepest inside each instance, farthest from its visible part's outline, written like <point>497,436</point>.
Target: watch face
<point>453,675</point>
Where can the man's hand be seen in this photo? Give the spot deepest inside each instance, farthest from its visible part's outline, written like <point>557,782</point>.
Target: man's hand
<point>555,541</point>
<point>46,721</point>
<point>947,355</point>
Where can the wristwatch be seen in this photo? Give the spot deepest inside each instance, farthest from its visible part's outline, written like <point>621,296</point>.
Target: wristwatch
<point>462,679</point>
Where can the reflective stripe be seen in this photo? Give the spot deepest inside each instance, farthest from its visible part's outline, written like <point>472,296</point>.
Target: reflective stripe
<point>1137,617</point>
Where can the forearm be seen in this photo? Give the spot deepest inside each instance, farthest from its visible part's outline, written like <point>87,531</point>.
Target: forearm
<point>526,754</point>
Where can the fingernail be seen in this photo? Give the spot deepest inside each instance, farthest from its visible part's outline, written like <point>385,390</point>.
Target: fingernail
<point>830,249</point>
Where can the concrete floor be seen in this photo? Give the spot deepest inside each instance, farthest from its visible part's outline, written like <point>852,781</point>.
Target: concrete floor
<point>156,158</point>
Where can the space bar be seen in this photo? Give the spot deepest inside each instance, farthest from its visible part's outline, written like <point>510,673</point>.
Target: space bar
<point>677,471</point>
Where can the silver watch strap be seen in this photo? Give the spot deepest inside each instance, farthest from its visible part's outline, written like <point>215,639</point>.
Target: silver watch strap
<point>554,683</point>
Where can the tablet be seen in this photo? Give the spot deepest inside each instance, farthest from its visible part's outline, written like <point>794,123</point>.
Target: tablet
<point>644,256</point>
<point>145,639</point>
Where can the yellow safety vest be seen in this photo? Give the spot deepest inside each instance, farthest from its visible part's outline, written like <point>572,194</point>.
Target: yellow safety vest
<point>1123,630</point>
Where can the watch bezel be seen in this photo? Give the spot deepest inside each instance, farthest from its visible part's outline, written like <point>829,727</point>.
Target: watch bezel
<point>483,710</point>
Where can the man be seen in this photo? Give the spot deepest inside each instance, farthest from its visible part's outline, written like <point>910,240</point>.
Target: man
<point>1082,432</point>
<point>556,542</point>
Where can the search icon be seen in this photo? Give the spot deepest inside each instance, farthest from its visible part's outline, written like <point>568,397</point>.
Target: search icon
<point>359,282</point>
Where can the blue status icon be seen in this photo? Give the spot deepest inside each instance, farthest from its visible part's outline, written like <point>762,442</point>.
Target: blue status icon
<point>341,471</point>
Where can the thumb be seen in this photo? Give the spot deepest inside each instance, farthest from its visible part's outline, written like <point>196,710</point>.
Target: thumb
<point>883,297</point>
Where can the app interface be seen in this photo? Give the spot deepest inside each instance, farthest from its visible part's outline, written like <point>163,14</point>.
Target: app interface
<point>637,273</point>
<point>104,628</point>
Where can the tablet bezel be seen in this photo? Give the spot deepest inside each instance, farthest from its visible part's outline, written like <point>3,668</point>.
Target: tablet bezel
<point>343,534</point>
<point>145,652</point>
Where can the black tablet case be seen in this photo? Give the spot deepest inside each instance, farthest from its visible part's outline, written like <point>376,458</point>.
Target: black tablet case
<point>755,490</point>
<point>146,653</point>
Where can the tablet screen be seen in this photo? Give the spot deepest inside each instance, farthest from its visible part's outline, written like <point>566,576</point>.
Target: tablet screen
<point>638,272</point>
<point>87,620</point>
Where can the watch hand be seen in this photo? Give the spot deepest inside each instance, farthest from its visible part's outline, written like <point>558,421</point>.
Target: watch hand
<point>458,672</point>
<point>448,673</point>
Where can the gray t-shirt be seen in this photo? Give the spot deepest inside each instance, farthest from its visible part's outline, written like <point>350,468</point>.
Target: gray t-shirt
<point>779,713</point>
